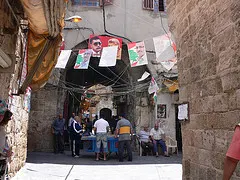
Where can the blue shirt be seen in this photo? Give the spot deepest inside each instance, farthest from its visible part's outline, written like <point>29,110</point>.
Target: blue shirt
<point>58,126</point>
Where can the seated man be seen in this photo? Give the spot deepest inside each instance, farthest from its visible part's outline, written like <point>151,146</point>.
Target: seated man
<point>146,142</point>
<point>158,137</point>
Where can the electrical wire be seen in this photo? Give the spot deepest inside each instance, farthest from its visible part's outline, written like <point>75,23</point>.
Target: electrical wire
<point>111,80</point>
<point>104,24</point>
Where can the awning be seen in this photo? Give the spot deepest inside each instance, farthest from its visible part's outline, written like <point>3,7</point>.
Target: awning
<point>46,21</point>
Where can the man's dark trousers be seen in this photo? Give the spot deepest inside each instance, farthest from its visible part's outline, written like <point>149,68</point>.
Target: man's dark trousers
<point>58,143</point>
<point>121,145</point>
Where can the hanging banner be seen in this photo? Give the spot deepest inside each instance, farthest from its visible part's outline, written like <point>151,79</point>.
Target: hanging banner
<point>83,59</point>
<point>96,43</point>
<point>109,56</point>
<point>137,54</point>
<point>153,87</point>
<point>63,59</point>
<point>165,51</point>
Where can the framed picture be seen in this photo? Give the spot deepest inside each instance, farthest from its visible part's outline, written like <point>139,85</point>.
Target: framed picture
<point>161,111</point>
<point>183,111</point>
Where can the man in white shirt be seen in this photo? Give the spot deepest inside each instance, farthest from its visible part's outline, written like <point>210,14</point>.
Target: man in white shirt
<point>158,137</point>
<point>101,127</point>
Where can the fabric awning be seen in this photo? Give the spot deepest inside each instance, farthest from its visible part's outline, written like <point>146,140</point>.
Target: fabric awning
<point>46,21</point>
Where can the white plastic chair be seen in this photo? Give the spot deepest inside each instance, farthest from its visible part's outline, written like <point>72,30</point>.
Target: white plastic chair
<point>171,143</point>
<point>140,147</point>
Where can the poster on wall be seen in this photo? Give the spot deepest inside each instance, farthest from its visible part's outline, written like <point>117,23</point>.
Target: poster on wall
<point>161,111</point>
<point>96,43</point>
<point>183,113</point>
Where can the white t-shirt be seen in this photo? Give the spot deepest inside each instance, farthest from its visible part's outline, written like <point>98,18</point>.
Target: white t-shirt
<point>101,125</point>
<point>157,134</point>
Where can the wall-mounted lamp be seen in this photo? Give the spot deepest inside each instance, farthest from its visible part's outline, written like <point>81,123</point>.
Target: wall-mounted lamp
<point>75,19</point>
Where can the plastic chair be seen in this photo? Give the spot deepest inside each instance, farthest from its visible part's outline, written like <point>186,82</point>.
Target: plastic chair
<point>171,143</point>
<point>140,147</point>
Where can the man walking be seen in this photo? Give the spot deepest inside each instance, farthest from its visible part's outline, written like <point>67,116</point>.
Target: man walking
<point>124,130</point>
<point>58,130</point>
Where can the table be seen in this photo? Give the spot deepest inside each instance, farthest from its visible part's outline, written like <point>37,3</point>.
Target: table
<point>89,143</point>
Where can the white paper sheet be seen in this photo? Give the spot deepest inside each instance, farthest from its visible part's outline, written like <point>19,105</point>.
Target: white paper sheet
<point>63,59</point>
<point>109,56</point>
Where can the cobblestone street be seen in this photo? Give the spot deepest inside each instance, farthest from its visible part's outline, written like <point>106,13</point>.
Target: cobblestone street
<point>41,166</point>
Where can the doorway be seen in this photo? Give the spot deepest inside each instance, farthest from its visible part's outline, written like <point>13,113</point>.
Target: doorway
<point>107,113</point>
<point>178,130</point>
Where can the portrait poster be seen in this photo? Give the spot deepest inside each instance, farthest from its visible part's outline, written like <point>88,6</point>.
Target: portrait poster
<point>63,59</point>
<point>83,59</point>
<point>96,43</point>
<point>165,50</point>
<point>137,54</point>
<point>161,111</point>
<point>109,56</point>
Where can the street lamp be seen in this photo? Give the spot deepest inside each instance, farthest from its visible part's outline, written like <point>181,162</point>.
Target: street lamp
<point>75,19</point>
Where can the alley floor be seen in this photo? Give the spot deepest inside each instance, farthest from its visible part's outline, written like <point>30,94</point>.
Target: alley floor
<point>49,166</point>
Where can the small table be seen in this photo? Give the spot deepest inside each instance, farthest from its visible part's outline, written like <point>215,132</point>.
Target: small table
<point>90,142</point>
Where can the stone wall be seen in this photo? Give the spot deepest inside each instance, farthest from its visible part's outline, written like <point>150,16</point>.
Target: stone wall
<point>207,36</point>
<point>17,127</point>
<point>46,103</point>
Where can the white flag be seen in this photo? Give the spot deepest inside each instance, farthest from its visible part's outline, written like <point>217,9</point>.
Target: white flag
<point>144,76</point>
<point>153,87</point>
<point>109,56</point>
<point>63,59</point>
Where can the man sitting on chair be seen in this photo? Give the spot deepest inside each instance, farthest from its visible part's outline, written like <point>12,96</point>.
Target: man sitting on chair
<point>158,137</point>
<point>146,142</point>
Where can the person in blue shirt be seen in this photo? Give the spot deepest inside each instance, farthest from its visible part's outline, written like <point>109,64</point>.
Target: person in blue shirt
<point>58,130</point>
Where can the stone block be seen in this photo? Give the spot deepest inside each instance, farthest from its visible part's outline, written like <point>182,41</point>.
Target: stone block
<point>208,140</point>
<point>204,157</point>
<point>232,103</point>
<point>207,104</point>
<point>223,40</point>
<point>221,139</point>
<point>217,160</point>
<point>186,167</point>
<point>235,11</point>
<point>238,98</point>
<point>202,173</point>
<point>225,59</point>
<point>221,102</point>
<point>222,21</point>
<point>194,170</point>
<point>211,174</point>
<point>211,87</point>
<point>230,81</point>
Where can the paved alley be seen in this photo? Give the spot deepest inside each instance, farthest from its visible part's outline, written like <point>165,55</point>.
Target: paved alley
<point>48,166</point>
